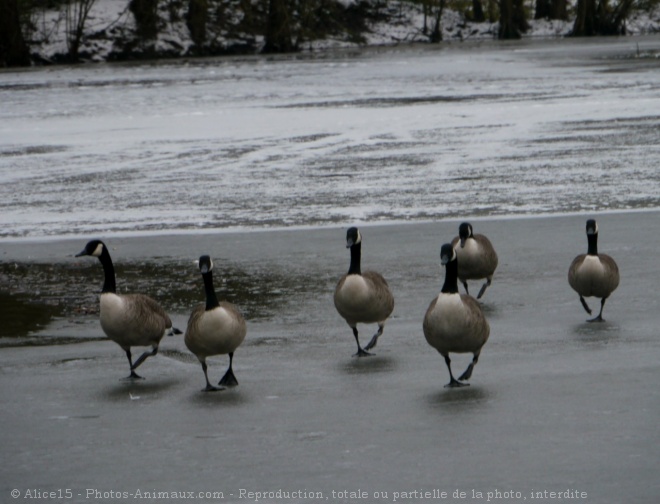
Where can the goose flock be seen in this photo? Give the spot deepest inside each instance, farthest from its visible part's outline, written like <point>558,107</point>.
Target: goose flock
<point>453,323</point>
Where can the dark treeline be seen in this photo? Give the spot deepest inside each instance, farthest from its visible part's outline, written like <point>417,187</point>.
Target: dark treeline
<point>283,25</point>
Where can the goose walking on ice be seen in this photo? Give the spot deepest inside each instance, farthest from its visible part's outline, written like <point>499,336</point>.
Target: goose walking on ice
<point>477,258</point>
<point>214,328</point>
<point>362,297</point>
<point>454,322</point>
<point>128,319</point>
<point>593,274</point>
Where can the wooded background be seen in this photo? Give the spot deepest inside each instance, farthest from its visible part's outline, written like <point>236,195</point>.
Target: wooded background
<point>274,26</point>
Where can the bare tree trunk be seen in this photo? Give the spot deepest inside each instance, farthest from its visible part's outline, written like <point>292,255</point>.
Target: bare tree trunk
<point>508,28</point>
<point>478,15</point>
<point>278,28</point>
<point>436,34</point>
<point>13,49</point>
<point>559,9</point>
<point>542,9</point>
<point>77,12</point>
<point>519,17</point>
<point>196,20</point>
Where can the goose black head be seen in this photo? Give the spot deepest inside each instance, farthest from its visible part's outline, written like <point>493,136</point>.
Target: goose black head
<point>447,254</point>
<point>464,232</point>
<point>205,264</point>
<point>592,227</point>
<point>353,237</point>
<point>93,248</point>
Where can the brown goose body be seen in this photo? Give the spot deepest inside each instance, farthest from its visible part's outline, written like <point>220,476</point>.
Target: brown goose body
<point>214,328</point>
<point>128,319</point>
<point>593,274</point>
<point>476,255</point>
<point>455,323</point>
<point>362,297</point>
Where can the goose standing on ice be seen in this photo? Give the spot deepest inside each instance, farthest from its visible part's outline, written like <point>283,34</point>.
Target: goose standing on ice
<point>593,274</point>
<point>128,319</point>
<point>214,328</point>
<point>476,257</point>
<point>454,322</point>
<point>362,297</point>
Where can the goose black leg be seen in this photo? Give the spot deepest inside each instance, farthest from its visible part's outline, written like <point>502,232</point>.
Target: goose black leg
<point>133,375</point>
<point>599,318</point>
<point>143,357</point>
<point>453,382</point>
<point>229,380</point>
<point>374,340</point>
<point>360,352</point>
<point>209,387</point>
<point>586,306</point>
<point>468,372</point>
<point>483,288</point>
<point>466,289</point>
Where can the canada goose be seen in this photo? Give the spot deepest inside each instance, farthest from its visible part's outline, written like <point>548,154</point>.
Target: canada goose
<point>362,297</point>
<point>593,274</point>
<point>128,319</point>
<point>454,322</point>
<point>476,257</point>
<point>214,328</point>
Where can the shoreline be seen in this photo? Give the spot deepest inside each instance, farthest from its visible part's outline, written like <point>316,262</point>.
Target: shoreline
<point>12,241</point>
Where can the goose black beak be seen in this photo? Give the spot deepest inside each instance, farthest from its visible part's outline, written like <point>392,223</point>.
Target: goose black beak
<point>79,254</point>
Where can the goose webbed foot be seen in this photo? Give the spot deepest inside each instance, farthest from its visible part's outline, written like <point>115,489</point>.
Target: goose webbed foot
<point>211,388</point>
<point>133,376</point>
<point>467,374</point>
<point>362,353</point>
<point>228,380</point>
<point>455,383</point>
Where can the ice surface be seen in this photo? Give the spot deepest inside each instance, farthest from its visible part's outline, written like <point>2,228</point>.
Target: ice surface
<point>555,403</point>
<point>395,134</point>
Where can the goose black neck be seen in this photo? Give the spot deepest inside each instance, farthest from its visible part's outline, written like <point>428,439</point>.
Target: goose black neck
<point>356,254</point>
<point>211,298</point>
<point>109,284</point>
<point>592,239</point>
<point>451,278</point>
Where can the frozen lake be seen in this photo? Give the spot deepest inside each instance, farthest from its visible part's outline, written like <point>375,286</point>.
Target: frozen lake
<point>554,404</point>
<point>526,140</point>
<point>393,134</point>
